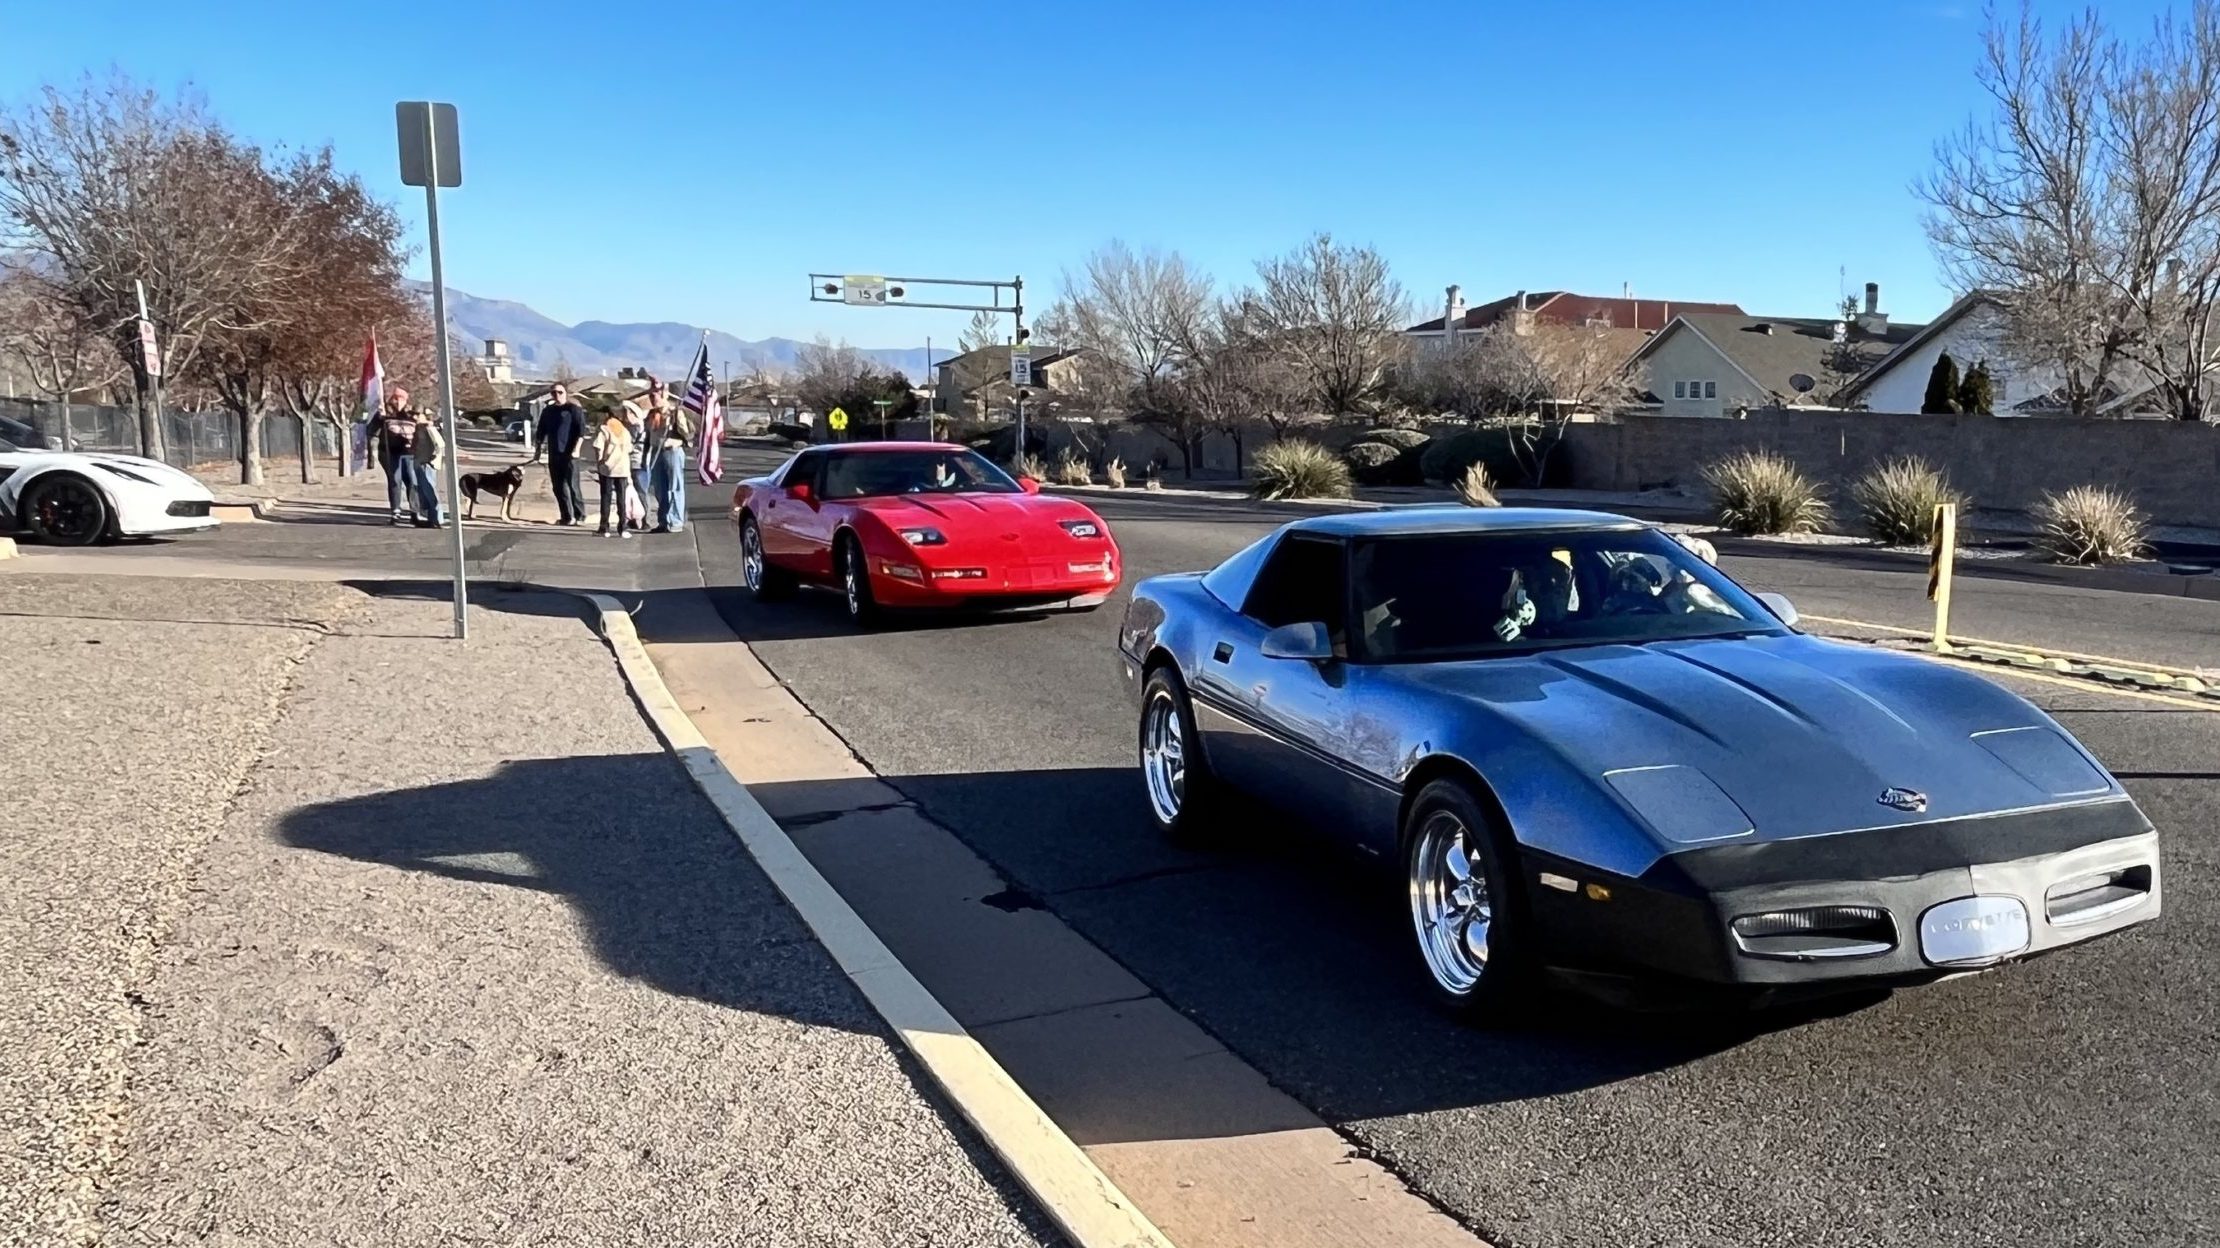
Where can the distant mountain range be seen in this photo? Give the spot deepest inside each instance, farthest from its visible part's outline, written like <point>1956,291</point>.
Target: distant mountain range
<point>663,347</point>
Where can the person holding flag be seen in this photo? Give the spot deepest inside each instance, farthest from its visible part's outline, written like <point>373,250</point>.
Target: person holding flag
<point>701,399</point>
<point>372,394</point>
<point>670,431</point>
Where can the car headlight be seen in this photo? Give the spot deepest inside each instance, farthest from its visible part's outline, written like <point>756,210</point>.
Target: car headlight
<point>1081,528</point>
<point>125,473</point>
<point>922,537</point>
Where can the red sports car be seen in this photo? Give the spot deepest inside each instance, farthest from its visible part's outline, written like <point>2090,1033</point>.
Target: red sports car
<point>919,524</point>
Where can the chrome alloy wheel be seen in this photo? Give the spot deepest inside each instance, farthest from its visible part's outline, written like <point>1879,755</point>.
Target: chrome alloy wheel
<point>1450,906</point>
<point>1164,757</point>
<point>751,557</point>
<point>851,581</point>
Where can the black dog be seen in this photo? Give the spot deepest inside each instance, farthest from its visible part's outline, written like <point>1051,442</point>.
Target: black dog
<point>503,485</point>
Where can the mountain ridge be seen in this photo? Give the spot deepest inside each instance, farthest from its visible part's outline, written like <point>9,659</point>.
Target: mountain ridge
<point>538,341</point>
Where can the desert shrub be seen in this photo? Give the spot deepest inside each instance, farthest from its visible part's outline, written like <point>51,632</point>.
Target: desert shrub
<point>1113,473</point>
<point>1761,492</point>
<point>1300,470</point>
<point>1000,442</point>
<point>1899,497</point>
<point>1071,468</point>
<point>1474,489</point>
<point>2090,524</point>
<point>1500,447</point>
<point>1029,466</point>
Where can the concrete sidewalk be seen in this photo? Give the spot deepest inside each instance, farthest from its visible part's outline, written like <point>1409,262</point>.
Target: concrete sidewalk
<point>317,927</point>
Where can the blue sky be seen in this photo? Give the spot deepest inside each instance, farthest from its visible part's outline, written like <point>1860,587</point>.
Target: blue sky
<point>691,162</point>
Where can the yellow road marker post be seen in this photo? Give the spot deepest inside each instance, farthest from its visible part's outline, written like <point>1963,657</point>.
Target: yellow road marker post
<point>1941,552</point>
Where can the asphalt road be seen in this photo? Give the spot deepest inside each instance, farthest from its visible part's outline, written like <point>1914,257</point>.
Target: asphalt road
<point>2072,1100</point>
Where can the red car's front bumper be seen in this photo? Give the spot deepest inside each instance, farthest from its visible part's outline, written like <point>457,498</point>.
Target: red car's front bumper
<point>1078,579</point>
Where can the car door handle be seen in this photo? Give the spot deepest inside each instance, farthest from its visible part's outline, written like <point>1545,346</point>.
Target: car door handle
<point>1223,653</point>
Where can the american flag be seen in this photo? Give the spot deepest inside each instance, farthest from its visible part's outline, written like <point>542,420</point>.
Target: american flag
<point>701,399</point>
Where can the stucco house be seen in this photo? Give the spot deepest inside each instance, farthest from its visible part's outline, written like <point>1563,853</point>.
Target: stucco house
<point>978,382</point>
<point>1972,330</point>
<point>1716,364</point>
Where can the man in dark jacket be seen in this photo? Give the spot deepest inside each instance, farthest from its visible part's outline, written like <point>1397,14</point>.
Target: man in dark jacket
<point>562,424</point>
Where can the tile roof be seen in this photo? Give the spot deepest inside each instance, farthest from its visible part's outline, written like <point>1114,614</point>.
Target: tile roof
<point>1575,309</point>
<point>1795,344</point>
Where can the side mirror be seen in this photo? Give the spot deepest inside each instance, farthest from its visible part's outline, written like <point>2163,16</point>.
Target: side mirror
<point>1029,485</point>
<point>801,493</point>
<point>1308,642</point>
<point>1779,605</point>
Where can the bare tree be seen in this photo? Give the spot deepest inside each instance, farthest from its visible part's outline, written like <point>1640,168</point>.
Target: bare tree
<point>333,271</point>
<point>1134,312</point>
<point>1536,377</point>
<point>61,352</point>
<point>562,370</point>
<point>984,331</point>
<point>2089,203</point>
<point>1340,314</point>
<point>824,373</point>
<point>110,186</point>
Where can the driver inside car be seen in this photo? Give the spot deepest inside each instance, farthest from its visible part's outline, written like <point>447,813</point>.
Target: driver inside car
<point>1535,602</point>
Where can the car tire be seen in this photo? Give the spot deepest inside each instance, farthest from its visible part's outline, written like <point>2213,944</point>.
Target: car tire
<point>1456,857</point>
<point>765,581</point>
<point>64,510</point>
<point>1184,797</point>
<point>855,583</point>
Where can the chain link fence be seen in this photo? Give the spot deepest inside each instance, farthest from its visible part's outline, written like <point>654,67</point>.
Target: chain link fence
<point>191,439</point>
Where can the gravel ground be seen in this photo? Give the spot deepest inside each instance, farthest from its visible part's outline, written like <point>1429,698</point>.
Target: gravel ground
<point>417,943</point>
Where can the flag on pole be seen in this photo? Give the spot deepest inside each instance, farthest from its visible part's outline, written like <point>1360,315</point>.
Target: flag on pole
<point>701,399</point>
<point>373,400</point>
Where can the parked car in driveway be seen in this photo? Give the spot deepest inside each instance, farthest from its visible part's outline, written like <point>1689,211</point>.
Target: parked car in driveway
<point>1587,751</point>
<point>70,498</point>
<point>919,525</point>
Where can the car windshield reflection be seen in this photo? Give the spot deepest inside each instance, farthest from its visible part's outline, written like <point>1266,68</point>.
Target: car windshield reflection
<point>1440,597</point>
<point>870,474</point>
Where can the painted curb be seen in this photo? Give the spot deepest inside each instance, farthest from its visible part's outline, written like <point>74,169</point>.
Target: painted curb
<point>1082,1201</point>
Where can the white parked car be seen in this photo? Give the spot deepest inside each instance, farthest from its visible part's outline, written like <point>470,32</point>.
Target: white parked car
<point>76,498</point>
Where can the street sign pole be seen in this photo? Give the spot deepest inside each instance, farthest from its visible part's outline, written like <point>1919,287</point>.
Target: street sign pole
<point>433,126</point>
<point>1017,343</point>
<point>153,436</point>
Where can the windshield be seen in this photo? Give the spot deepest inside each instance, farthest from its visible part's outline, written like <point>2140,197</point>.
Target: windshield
<point>864,474</point>
<point>1468,595</point>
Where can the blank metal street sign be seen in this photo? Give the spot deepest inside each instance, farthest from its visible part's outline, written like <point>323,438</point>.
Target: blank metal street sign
<point>429,144</point>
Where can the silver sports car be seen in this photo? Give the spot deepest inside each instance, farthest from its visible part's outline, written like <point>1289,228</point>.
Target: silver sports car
<point>1591,752</point>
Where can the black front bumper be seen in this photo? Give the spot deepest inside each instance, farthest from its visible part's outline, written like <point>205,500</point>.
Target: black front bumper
<point>1946,892</point>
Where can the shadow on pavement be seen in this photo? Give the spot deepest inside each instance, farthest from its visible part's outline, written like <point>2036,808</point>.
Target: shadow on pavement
<point>663,891</point>
<point>1282,945</point>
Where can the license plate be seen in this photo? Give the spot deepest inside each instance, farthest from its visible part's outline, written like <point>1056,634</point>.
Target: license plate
<point>1972,930</point>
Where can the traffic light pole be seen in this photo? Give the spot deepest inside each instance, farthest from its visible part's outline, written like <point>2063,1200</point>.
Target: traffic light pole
<point>874,291</point>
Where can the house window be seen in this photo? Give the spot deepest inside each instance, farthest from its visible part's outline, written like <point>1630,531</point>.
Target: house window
<point>1711,389</point>
<point>1680,389</point>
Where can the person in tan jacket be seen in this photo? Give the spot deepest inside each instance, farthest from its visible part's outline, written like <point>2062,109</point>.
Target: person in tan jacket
<point>428,449</point>
<point>609,451</point>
